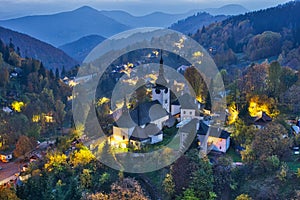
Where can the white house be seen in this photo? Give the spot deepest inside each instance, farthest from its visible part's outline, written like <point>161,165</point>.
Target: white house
<point>217,138</point>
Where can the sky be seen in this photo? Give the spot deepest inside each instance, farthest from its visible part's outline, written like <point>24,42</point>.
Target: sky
<point>17,8</point>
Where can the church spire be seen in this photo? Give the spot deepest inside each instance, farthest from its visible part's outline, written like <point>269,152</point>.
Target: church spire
<point>124,109</point>
<point>161,78</point>
<point>161,58</point>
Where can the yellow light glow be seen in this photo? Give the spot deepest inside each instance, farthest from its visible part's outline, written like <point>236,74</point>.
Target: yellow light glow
<point>258,105</point>
<point>102,101</point>
<point>17,105</point>
<point>233,114</point>
<point>197,54</point>
<point>36,118</point>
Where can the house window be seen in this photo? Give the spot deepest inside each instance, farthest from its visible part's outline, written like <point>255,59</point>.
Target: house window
<point>123,137</point>
<point>191,113</point>
<point>220,147</point>
<point>166,101</point>
<point>184,112</point>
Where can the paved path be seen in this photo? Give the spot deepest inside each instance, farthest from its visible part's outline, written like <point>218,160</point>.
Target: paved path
<point>9,170</point>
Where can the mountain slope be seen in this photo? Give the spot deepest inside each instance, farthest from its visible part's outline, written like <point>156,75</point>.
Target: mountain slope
<point>192,24</point>
<point>51,57</point>
<point>79,49</point>
<point>61,28</point>
<point>256,36</point>
<point>160,19</point>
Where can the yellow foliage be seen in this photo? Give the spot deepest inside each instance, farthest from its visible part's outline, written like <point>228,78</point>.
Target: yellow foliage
<point>102,101</point>
<point>56,161</point>
<point>17,105</point>
<point>233,114</point>
<point>259,104</point>
<point>82,157</point>
<point>197,54</point>
<point>36,118</point>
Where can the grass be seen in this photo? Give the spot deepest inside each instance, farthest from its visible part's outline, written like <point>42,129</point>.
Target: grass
<point>234,155</point>
<point>295,164</point>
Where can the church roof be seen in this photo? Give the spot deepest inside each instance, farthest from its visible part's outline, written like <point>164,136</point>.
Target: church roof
<point>141,134</point>
<point>125,121</point>
<point>147,112</point>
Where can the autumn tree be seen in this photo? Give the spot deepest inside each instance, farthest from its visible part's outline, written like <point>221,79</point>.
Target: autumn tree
<point>23,146</point>
<point>196,80</point>
<point>275,72</point>
<point>169,186</point>
<point>8,193</point>
<point>60,112</point>
<point>272,140</point>
<point>82,157</point>
<point>4,76</point>
<point>127,189</point>
<point>243,197</point>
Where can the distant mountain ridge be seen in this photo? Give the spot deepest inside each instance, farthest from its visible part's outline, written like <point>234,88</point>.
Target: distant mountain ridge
<point>65,27</point>
<point>79,49</point>
<point>191,24</point>
<point>51,57</point>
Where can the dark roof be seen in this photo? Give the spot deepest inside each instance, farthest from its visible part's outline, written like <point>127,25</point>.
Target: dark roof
<point>160,87</point>
<point>203,128</point>
<point>125,121</point>
<point>263,117</point>
<point>147,112</point>
<point>213,131</point>
<point>142,134</point>
<point>139,134</point>
<point>187,102</point>
<point>176,102</point>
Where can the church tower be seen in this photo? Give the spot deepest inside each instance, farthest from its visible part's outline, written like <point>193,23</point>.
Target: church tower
<point>160,91</point>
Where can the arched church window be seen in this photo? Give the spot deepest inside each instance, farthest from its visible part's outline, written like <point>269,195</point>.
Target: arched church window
<point>166,90</point>
<point>157,91</point>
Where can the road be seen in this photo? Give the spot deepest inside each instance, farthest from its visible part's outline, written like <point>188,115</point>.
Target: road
<point>9,169</point>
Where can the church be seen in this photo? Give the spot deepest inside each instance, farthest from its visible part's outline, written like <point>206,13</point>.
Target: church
<point>143,124</point>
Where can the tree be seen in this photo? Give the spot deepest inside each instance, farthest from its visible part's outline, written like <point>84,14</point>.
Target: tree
<point>272,140</point>
<point>63,72</point>
<point>274,79</point>
<point>202,180</point>
<point>4,76</point>
<point>169,185</point>
<point>222,175</point>
<point>189,194</point>
<point>243,197</point>
<point>8,193</point>
<point>127,189</point>
<point>23,146</point>
<point>196,80</point>
<point>243,134</point>
<point>60,112</point>
<point>57,74</point>
<point>82,157</point>
<point>56,162</point>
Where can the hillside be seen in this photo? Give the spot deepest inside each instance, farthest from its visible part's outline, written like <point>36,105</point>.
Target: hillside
<point>61,28</point>
<point>192,23</point>
<point>247,38</point>
<point>51,57</point>
<point>230,9</point>
<point>79,49</point>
